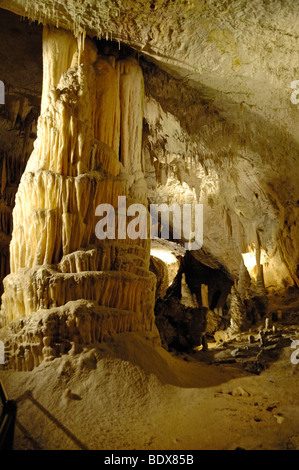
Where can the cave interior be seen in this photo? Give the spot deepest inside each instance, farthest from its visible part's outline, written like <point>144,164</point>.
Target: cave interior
<point>172,105</point>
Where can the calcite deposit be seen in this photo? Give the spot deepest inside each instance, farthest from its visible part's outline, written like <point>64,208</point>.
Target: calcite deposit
<point>87,153</point>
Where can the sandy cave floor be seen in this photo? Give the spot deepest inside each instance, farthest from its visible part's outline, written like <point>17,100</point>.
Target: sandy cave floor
<point>132,394</point>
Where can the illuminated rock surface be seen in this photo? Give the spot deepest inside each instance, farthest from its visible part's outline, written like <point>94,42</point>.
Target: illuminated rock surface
<point>91,107</point>
<point>169,101</point>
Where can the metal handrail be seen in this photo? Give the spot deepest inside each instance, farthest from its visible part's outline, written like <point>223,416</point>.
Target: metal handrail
<point>7,420</point>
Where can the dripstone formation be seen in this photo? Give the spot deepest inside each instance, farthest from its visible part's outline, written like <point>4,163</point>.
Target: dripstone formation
<point>66,287</point>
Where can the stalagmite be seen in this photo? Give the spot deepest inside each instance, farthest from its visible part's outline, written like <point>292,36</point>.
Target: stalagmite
<point>187,298</point>
<point>244,281</point>
<point>237,312</point>
<point>260,285</point>
<point>66,286</point>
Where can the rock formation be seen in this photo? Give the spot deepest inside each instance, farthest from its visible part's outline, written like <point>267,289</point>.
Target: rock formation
<point>167,102</point>
<point>66,285</point>
<point>238,314</point>
<point>191,121</point>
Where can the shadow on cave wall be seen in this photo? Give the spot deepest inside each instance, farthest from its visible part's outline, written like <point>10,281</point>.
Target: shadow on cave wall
<point>184,326</point>
<point>218,282</point>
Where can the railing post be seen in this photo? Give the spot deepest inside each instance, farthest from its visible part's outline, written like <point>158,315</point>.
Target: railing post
<point>7,420</point>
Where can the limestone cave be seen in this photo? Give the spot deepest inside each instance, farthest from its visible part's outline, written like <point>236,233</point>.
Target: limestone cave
<point>149,231</point>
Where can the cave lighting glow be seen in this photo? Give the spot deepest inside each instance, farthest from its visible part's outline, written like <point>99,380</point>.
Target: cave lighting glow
<point>250,259</point>
<point>164,255</point>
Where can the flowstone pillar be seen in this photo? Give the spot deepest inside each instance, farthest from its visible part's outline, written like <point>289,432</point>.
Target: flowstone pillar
<point>67,287</point>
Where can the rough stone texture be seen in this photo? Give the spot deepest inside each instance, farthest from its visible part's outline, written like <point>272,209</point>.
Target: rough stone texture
<point>237,312</point>
<point>219,126</point>
<point>49,333</point>
<point>228,106</point>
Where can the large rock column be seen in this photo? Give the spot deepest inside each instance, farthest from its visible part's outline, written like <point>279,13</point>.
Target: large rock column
<point>66,286</point>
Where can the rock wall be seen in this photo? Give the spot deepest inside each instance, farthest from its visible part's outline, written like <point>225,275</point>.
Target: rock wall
<point>192,155</point>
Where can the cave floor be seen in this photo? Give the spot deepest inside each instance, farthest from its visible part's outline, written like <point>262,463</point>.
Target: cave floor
<point>130,393</point>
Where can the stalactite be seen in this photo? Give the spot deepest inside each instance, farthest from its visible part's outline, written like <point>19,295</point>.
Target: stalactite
<point>260,285</point>
<point>131,90</point>
<point>106,112</point>
<point>58,53</point>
